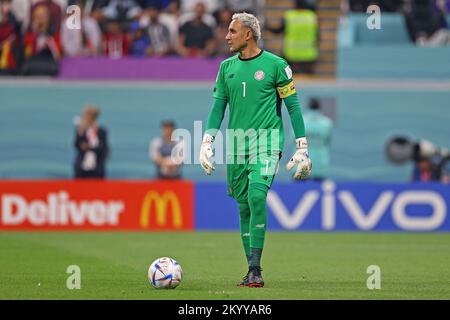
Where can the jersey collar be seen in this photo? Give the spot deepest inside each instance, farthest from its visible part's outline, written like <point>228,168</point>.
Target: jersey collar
<point>248,59</point>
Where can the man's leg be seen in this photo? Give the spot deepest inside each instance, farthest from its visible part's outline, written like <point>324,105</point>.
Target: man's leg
<point>257,195</point>
<point>260,180</point>
<point>237,180</point>
<point>244,221</point>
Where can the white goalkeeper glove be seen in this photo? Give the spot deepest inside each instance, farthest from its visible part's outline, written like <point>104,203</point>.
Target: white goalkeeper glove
<point>301,159</point>
<point>206,153</point>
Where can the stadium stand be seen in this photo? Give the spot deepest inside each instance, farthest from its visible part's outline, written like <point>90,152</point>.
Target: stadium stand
<point>37,144</point>
<point>386,53</point>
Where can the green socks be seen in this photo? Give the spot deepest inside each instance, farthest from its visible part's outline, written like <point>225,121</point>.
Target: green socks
<point>257,195</point>
<point>253,223</point>
<point>244,221</point>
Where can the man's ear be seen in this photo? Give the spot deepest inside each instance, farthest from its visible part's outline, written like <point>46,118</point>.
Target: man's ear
<point>248,34</point>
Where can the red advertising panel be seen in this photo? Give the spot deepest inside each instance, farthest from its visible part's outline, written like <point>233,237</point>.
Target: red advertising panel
<point>96,205</point>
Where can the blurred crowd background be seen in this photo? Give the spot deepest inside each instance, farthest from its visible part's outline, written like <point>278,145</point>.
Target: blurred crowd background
<point>34,35</point>
<point>359,86</point>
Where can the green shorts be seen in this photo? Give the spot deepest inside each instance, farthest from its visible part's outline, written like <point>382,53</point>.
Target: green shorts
<point>245,170</point>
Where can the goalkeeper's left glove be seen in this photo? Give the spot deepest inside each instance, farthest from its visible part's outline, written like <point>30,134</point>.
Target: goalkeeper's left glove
<point>301,159</point>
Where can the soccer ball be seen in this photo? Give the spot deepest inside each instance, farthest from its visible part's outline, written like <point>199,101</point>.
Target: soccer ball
<point>165,273</point>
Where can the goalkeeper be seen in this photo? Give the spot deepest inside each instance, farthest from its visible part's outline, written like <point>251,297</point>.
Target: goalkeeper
<point>253,83</point>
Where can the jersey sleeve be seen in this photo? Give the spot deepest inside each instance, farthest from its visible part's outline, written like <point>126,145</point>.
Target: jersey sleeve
<point>220,90</point>
<point>284,82</point>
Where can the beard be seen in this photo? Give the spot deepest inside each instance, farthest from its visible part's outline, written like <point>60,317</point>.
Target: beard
<point>239,48</point>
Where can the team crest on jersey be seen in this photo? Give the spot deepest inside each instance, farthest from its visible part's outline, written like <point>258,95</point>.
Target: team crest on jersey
<point>259,75</point>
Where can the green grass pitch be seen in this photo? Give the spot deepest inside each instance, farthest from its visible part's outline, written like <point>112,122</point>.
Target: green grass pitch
<point>295,265</point>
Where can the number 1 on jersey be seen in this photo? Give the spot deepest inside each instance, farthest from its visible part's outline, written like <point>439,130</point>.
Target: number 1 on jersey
<point>243,88</point>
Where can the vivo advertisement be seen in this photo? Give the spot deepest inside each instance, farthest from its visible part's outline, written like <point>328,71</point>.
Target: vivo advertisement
<point>187,206</point>
<point>331,206</point>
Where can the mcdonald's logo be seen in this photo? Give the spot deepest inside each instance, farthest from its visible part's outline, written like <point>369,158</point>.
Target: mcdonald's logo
<point>161,202</point>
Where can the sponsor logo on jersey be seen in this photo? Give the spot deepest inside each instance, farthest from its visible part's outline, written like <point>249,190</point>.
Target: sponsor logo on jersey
<point>231,76</point>
<point>259,75</point>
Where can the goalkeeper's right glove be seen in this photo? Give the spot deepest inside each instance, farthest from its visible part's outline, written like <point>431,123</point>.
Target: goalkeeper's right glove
<point>206,153</point>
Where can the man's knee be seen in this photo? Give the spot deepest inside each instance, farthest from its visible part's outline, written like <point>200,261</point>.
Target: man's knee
<point>257,194</point>
<point>244,209</point>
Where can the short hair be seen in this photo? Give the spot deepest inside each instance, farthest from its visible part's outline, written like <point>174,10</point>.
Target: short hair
<point>250,21</point>
<point>168,123</point>
<point>92,110</point>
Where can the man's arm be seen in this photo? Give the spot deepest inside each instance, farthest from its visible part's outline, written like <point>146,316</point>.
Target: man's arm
<point>215,116</point>
<point>181,49</point>
<point>286,91</point>
<point>154,151</point>
<point>80,142</point>
<point>301,157</point>
<point>293,106</point>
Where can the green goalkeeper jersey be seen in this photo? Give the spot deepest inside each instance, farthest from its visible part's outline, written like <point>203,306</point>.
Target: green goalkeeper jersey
<point>254,89</point>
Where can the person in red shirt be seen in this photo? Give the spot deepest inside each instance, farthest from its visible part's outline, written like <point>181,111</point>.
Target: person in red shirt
<point>54,10</point>
<point>9,39</point>
<point>115,40</point>
<point>42,46</point>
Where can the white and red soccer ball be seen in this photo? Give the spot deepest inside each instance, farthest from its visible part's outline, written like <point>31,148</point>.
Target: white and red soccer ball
<point>165,273</point>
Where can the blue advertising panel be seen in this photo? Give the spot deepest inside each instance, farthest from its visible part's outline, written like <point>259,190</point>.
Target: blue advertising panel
<point>330,206</point>
<point>213,209</point>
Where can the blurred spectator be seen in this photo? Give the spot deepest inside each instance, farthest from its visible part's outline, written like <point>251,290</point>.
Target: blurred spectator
<point>139,40</point>
<point>91,144</point>
<point>21,10</point>
<point>318,132</point>
<point>223,21</point>
<point>115,40</point>
<point>211,6</point>
<point>196,39</point>
<point>190,15</point>
<point>55,11</point>
<point>426,23</point>
<point>431,164</point>
<point>167,154</point>
<point>161,42</point>
<point>93,9</point>
<point>301,33</point>
<point>42,45</point>
<point>171,18</point>
<point>249,6</point>
<point>445,178</point>
<point>160,4</point>
<point>85,41</point>
<point>430,170</point>
<point>10,39</point>
<point>122,10</point>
